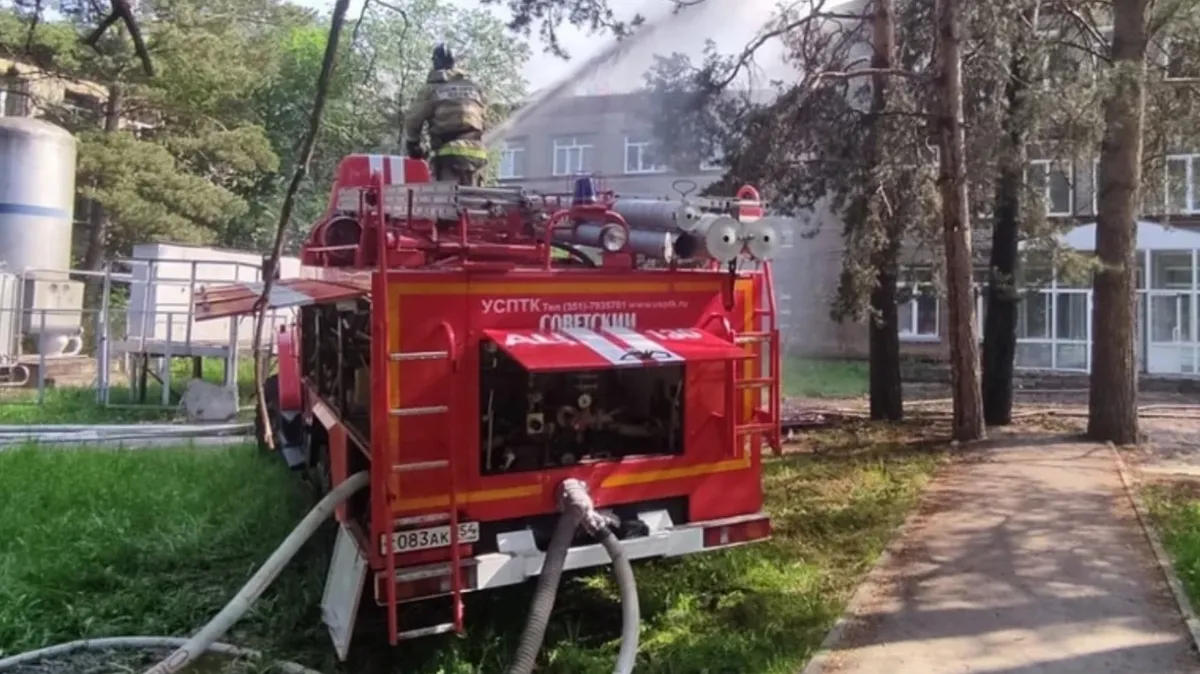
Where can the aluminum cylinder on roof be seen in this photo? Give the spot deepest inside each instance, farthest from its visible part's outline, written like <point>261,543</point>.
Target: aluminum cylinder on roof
<point>657,213</point>
<point>655,243</point>
<point>37,195</point>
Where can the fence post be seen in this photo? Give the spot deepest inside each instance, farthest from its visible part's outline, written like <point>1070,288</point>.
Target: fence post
<point>102,331</point>
<point>191,305</point>
<point>42,361</point>
<point>166,361</point>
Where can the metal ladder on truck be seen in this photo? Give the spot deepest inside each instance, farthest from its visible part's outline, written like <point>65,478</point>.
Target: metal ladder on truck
<point>767,376</point>
<point>392,370</point>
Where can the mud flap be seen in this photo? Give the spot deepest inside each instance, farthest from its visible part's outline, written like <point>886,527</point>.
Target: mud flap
<point>289,438</point>
<point>343,590</point>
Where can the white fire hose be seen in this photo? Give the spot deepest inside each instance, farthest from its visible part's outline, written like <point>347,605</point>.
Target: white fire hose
<point>576,509</point>
<point>90,433</point>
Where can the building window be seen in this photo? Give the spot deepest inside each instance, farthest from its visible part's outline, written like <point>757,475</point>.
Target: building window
<point>572,155</point>
<point>1053,182</point>
<point>1061,64</point>
<point>140,130</point>
<point>981,278</point>
<point>716,162</point>
<point>639,157</point>
<point>918,310</point>
<point>83,210</point>
<point>1176,61</point>
<point>80,104</point>
<point>1182,195</point>
<point>14,95</point>
<point>512,161</point>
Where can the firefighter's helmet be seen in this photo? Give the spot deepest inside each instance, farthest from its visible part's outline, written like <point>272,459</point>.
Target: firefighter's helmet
<point>443,57</point>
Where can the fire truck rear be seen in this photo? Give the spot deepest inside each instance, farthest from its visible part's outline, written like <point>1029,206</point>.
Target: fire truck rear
<point>475,349</point>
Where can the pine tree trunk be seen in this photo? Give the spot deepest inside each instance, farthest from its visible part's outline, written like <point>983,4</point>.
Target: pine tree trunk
<point>98,225</point>
<point>887,402</point>
<point>886,394</point>
<point>1000,324</point>
<point>97,242</point>
<point>1112,403</point>
<point>964,349</point>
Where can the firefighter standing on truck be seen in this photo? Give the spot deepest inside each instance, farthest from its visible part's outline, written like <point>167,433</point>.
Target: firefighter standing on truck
<point>454,107</point>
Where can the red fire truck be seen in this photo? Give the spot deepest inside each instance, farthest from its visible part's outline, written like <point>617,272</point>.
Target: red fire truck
<point>474,347</point>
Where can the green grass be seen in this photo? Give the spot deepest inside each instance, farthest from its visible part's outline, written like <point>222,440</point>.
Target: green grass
<point>1175,511</point>
<point>820,378</point>
<point>78,405</point>
<point>155,542</point>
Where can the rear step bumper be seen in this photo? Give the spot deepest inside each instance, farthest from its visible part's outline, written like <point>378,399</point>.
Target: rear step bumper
<point>519,559</point>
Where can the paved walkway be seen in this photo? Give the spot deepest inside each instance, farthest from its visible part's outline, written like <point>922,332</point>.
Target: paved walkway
<point>1027,561</point>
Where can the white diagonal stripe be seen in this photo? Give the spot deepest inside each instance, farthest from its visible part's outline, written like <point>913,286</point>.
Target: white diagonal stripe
<point>641,342</point>
<point>611,352</point>
<point>396,164</point>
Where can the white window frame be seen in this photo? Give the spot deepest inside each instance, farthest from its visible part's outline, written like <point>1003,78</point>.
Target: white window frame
<point>908,333</point>
<point>509,153</point>
<point>1105,33</point>
<point>979,288</point>
<point>640,148</point>
<point>1046,82</point>
<point>1192,198</point>
<point>1164,58</point>
<point>570,146</point>
<point>1052,166</point>
<point>1096,187</point>
<point>139,129</point>
<point>713,163</point>
<point>14,84</point>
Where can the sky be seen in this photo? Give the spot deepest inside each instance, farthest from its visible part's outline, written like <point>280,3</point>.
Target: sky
<point>731,22</point>
<point>542,67</point>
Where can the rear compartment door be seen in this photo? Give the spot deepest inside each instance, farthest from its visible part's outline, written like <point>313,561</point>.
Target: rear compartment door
<point>613,347</point>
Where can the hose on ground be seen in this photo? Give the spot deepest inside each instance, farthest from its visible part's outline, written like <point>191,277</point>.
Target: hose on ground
<point>19,435</point>
<point>630,612</point>
<point>267,573</point>
<point>574,502</point>
<point>139,643</point>
<point>578,510</point>
<point>205,640</point>
<point>546,592</point>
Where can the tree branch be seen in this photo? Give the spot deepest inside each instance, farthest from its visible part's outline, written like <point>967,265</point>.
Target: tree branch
<point>762,38</point>
<point>121,10</point>
<point>289,199</point>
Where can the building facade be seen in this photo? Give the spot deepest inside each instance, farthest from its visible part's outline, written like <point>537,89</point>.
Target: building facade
<point>610,136</point>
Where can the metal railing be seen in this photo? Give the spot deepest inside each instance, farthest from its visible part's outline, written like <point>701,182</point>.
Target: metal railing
<point>142,321</point>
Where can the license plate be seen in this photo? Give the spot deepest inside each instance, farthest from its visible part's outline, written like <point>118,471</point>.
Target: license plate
<point>433,537</point>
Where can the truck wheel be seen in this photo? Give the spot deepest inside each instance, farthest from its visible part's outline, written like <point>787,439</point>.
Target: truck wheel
<point>271,402</point>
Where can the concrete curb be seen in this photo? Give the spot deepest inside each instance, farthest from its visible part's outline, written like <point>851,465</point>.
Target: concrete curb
<point>863,592</point>
<point>1160,554</point>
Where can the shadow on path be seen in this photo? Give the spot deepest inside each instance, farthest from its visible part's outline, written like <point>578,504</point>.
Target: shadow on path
<point>1025,559</point>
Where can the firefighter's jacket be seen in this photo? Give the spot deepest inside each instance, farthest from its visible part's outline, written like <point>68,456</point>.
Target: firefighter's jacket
<point>454,107</point>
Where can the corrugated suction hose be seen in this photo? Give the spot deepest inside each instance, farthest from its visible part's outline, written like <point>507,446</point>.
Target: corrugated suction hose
<point>577,509</point>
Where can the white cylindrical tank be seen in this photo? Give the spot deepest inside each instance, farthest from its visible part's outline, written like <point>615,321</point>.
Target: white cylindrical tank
<point>37,195</point>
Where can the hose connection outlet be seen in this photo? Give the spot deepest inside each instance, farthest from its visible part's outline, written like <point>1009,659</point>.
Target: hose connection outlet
<point>573,496</point>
